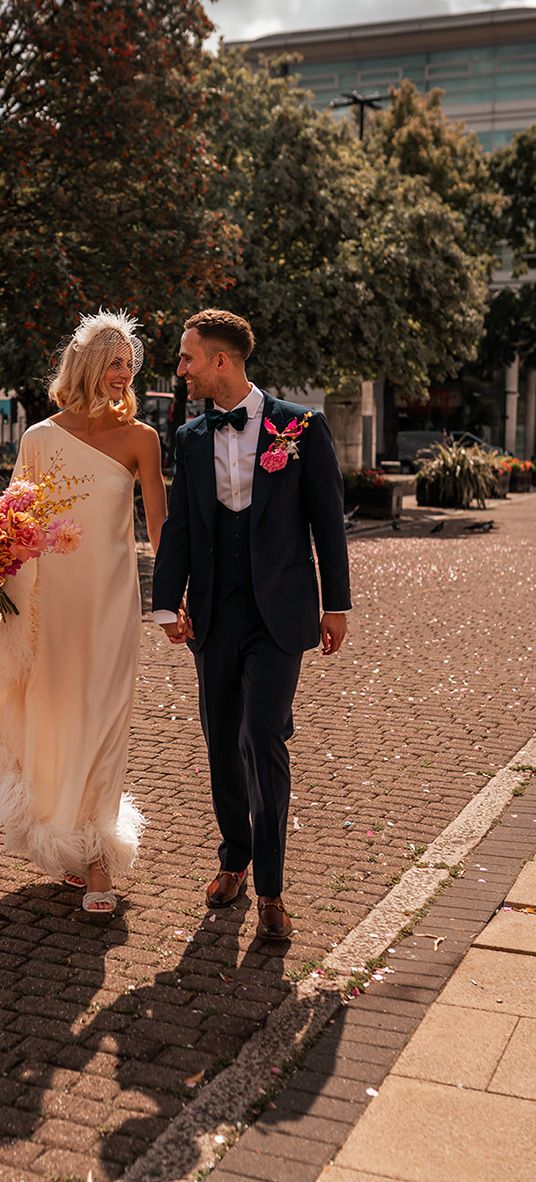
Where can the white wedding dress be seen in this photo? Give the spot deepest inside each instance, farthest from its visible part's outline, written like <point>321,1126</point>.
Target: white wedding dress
<point>68,667</point>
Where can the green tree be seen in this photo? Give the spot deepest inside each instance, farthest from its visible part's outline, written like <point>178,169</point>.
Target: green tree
<point>514,169</point>
<point>349,266</point>
<point>414,135</point>
<point>512,313</point>
<point>105,175</point>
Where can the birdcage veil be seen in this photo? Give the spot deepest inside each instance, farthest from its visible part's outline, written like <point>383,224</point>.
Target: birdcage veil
<point>75,380</point>
<point>109,329</point>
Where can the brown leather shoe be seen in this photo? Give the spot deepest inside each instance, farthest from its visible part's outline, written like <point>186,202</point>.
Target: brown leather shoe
<point>274,922</point>
<point>226,887</point>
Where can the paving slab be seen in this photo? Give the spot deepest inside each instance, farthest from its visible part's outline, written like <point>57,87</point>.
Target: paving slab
<point>439,1133</point>
<point>502,982</point>
<point>510,931</point>
<point>523,892</point>
<point>516,1072</point>
<point>345,1174</point>
<point>456,1046</point>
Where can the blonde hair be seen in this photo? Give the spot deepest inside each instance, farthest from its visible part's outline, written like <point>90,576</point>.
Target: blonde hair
<point>77,381</point>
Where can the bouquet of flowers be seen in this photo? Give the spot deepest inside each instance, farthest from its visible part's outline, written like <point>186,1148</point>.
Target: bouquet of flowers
<point>30,524</point>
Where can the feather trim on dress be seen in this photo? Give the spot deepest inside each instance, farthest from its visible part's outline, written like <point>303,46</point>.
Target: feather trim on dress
<point>114,841</point>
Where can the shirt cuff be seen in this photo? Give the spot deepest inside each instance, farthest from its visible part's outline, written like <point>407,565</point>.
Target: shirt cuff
<point>163,616</point>
<point>339,613</point>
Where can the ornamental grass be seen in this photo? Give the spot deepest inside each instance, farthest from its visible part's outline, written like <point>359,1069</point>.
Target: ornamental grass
<point>457,476</point>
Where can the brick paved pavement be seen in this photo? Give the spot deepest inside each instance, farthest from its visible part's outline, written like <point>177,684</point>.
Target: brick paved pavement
<point>104,1027</point>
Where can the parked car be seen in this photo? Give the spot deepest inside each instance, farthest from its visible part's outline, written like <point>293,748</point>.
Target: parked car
<point>412,442</point>
<point>467,439</point>
<point>155,410</point>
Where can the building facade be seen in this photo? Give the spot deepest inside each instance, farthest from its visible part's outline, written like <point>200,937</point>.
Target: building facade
<point>485,62</point>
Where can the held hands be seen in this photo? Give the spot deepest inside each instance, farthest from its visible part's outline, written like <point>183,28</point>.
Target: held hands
<point>181,630</point>
<point>333,629</point>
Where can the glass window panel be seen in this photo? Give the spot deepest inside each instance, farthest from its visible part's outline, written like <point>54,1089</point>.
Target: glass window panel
<point>441,71</point>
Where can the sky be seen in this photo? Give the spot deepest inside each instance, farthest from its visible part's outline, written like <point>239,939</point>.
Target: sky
<point>238,20</point>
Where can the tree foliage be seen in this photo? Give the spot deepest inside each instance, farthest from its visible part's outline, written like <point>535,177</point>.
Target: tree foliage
<point>415,135</point>
<point>349,266</point>
<point>512,314</point>
<point>514,168</point>
<point>105,173</point>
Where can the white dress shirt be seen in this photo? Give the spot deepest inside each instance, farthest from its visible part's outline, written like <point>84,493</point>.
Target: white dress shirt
<point>234,455</point>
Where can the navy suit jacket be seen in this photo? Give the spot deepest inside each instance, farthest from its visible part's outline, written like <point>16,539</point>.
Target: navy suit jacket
<point>287,506</point>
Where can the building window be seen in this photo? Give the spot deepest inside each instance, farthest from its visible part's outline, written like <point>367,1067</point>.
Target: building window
<point>447,71</point>
<point>379,79</point>
<point>320,82</point>
<point>521,63</point>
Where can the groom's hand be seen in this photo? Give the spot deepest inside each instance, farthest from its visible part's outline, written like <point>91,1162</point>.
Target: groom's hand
<point>333,629</point>
<point>181,630</point>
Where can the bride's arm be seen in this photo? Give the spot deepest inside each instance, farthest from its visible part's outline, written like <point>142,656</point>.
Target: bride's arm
<point>153,488</point>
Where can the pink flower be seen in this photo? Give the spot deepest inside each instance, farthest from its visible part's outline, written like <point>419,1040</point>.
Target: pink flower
<point>270,427</point>
<point>19,496</point>
<point>294,429</point>
<point>274,461</point>
<point>28,540</point>
<point>64,536</point>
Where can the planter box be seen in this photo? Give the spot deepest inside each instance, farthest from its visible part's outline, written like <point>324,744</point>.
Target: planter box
<point>430,493</point>
<point>385,501</point>
<point>503,484</point>
<point>520,481</point>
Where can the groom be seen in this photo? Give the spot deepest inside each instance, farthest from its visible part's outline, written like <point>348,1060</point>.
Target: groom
<point>254,478</point>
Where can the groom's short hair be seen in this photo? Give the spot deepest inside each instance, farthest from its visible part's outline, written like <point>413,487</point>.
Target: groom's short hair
<point>215,324</point>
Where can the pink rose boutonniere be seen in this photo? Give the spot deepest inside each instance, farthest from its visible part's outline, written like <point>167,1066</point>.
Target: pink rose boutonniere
<point>284,443</point>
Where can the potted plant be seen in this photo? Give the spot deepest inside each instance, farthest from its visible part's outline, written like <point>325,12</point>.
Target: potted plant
<point>501,469</point>
<point>370,494</point>
<point>520,475</point>
<point>456,476</point>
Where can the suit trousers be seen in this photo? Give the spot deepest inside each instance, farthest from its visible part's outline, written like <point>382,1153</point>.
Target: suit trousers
<point>246,689</point>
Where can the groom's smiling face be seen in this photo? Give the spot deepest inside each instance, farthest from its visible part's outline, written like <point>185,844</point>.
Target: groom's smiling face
<point>199,365</point>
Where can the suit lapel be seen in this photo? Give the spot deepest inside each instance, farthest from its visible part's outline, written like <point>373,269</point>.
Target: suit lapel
<point>263,481</point>
<point>203,472</point>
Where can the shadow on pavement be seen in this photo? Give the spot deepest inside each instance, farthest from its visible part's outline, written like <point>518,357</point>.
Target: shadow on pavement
<point>63,1048</point>
<point>423,522</point>
<point>176,1038</point>
<point>52,966</point>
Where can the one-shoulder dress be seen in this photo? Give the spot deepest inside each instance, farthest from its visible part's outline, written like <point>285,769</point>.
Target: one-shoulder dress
<point>68,667</point>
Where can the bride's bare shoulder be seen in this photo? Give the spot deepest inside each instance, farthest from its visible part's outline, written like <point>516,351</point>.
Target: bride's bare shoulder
<point>145,436</point>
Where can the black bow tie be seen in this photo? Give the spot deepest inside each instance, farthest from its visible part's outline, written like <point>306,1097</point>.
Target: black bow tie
<point>237,418</point>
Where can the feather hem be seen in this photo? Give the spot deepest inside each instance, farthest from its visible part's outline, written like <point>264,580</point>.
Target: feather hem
<point>114,841</point>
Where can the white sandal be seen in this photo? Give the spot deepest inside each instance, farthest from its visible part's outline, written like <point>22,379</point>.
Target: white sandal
<point>74,880</point>
<point>92,897</point>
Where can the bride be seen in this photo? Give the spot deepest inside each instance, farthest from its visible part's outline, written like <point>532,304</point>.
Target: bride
<point>68,662</point>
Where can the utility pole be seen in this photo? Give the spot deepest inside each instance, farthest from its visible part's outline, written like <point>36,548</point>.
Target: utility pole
<point>362,102</point>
